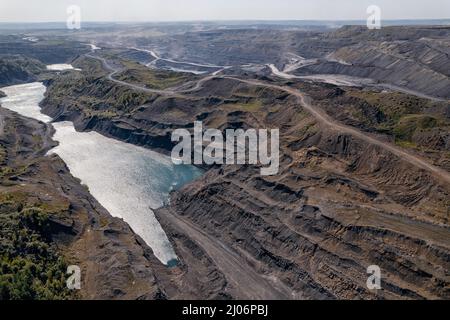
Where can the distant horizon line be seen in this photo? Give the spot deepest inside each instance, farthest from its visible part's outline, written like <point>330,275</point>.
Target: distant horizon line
<point>225,20</point>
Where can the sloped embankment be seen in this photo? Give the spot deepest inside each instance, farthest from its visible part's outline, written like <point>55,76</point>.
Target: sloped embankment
<point>338,205</point>
<point>49,221</point>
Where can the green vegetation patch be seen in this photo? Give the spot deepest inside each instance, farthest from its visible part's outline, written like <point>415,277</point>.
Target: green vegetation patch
<point>30,266</point>
<point>250,106</point>
<point>90,67</point>
<point>18,69</point>
<point>408,125</point>
<point>151,78</point>
<point>93,95</point>
<point>414,122</point>
<point>394,105</point>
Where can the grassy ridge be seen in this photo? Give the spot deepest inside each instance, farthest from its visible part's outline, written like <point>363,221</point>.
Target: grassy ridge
<point>151,78</point>
<point>18,69</point>
<point>412,121</point>
<point>30,267</point>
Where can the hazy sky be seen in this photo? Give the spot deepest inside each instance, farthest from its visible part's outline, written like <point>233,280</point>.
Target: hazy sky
<point>175,10</point>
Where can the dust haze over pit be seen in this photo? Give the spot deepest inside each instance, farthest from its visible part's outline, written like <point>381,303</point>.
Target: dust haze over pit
<point>200,10</point>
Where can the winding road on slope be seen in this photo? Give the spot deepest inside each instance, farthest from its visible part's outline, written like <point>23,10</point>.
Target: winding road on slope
<point>248,283</point>
<point>344,80</point>
<point>327,120</point>
<point>319,114</point>
<point>115,71</point>
<point>154,55</point>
